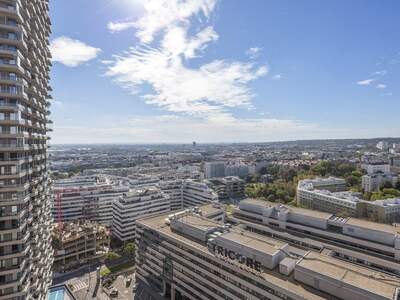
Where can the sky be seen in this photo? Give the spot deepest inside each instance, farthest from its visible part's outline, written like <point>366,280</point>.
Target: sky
<point>212,71</point>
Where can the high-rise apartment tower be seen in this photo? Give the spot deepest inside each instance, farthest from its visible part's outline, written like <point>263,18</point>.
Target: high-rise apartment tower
<point>26,254</point>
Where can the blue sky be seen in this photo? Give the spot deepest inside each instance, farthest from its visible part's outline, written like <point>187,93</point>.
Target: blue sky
<point>174,71</point>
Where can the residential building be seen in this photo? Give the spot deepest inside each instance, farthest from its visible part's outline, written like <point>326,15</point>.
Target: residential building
<point>373,182</point>
<point>173,188</point>
<point>195,193</point>
<point>188,256</point>
<point>86,198</point>
<point>376,167</point>
<point>332,184</point>
<point>137,181</point>
<point>346,203</point>
<point>214,169</point>
<point>228,188</point>
<point>384,211</point>
<point>25,225</point>
<point>322,194</point>
<point>132,206</point>
<point>77,243</point>
<point>383,145</point>
<point>238,170</point>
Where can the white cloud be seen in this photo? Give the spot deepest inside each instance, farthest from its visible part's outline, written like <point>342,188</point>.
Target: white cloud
<point>277,76</point>
<point>71,52</point>
<point>379,73</point>
<point>210,88</point>
<point>120,26</point>
<point>176,41</point>
<point>160,14</point>
<point>387,94</point>
<point>381,86</point>
<point>253,52</point>
<point>366,81</point>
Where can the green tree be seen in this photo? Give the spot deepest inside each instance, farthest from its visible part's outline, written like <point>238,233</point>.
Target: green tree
<point>112,256</point>
<point>353,180</point>
<point>387,185</point>
<point>129,249</point>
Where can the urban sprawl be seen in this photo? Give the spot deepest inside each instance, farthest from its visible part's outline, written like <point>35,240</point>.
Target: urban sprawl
<point>286,220</point>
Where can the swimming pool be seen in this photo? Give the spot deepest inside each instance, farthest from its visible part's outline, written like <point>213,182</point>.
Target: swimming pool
<point>60,292</point>
<point>57,294</point>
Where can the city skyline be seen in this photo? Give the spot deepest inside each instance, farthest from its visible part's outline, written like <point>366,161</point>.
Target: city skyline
<point>213,71</point>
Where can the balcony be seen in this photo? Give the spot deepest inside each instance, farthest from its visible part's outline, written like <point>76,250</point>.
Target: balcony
<point>11,79</point>
<point>11,65</point>
<point>10,9</point>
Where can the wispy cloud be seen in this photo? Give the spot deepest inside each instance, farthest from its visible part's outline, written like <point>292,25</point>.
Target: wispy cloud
<point>158,15</point>
<point>253,52</point>
<point>120,26</point>
<point>381,86</point>
<point>277,76</point>
<point>379,73</point>
<point>210,89</point>
<point>387,94</point>
<point>70,52</point>
<point>366,81</point>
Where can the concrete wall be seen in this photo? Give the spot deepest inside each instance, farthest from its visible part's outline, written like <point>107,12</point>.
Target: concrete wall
<point>369,234</point>
<point>308,220</point>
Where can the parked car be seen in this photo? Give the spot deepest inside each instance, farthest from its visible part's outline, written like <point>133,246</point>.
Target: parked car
<point>128,281</point>
<point>114,293</point>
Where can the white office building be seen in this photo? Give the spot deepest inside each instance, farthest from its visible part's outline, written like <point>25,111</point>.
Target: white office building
<point>187,255</point>
<point>134,205</point>
<point>345,203</point>
<point>214,169</point>
<point>173,188</point>
<point>373,182</point>
<point>197,193</point>
<point>378,167</point>
<point>86,198</point>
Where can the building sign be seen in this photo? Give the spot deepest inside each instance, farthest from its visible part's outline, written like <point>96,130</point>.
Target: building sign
<point>234,257</point>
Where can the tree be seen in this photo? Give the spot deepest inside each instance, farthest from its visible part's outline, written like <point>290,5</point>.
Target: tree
<point>271,198</point>
<point>391,192</point>
<point>129,249</point>
<point>387,185</point>
<point>112,256</point>
<point>352,180</point>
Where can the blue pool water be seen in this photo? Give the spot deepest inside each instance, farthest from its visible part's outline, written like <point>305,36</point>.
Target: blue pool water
<point>57,294</point>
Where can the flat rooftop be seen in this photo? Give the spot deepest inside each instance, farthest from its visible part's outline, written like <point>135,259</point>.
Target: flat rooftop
<point>258,202</point>
<point>292,209</point>
<point>360,277</point>
<point>197,222</point>
<point>373,226</point>
<point>268,246</point>
<point>272,276</point>
<point>211,209</point>
<point>309,212</point>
